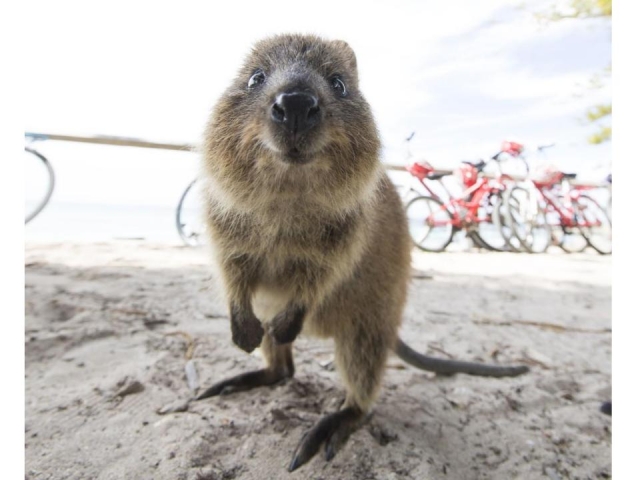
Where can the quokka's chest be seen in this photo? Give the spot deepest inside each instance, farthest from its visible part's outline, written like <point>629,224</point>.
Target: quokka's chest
<point>286,233</point>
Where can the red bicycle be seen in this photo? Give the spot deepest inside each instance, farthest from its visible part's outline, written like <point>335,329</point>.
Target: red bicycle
<point>572,219</point>
<point>433,221</point>
<point>547,209</point>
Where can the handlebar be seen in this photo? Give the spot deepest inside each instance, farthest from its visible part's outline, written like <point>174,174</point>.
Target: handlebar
<point>480,164</point>
<point>496,157</point>
<point>543,147</point>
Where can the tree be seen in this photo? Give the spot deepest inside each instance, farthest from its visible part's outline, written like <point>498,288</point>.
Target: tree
<point>587,9</point>
<point>578,9</point>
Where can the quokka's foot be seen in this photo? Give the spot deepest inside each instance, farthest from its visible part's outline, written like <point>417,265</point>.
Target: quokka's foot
<point>333,430</point>
<point>242,382</point>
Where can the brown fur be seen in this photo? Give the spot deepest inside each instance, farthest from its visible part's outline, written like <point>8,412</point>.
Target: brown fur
<point>331,234</point>
<point>320,244</point>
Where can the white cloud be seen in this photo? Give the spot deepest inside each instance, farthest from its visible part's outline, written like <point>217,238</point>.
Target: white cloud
<point>155,70</point>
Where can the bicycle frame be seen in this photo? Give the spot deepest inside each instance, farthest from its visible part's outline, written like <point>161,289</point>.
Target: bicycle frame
<point>568,215</point>
<point>465,213</point>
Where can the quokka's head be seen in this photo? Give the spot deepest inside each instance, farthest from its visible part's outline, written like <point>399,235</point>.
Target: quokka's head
<point>295,106</point>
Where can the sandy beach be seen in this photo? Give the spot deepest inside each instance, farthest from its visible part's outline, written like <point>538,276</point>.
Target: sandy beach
<point>112,328</point>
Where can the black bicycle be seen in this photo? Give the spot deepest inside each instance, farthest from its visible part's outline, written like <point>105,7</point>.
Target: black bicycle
<point>41,179</point>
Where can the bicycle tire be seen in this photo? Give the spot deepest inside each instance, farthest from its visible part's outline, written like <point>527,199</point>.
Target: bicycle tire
<point>502,222</point>
<point>594,210</point>
<point>528,221</point>
<point>51,184</point>
<point>191,240</point>
<point>491,240</point>
<point>417,218</point>
<point>566,238</point>
<point>476,240</point>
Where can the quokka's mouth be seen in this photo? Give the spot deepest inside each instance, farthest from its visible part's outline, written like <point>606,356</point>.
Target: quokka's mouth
<point>295,156</point>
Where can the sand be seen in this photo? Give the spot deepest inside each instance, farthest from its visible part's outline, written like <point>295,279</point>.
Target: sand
<point>111,326</point>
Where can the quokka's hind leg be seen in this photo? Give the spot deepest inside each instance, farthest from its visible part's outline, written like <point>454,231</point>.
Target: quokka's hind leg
<point>279,361</point>
<point>360,356</point>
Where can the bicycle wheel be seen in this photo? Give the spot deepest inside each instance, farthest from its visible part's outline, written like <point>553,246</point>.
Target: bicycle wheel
<point>430,224</point>
<point>476,240</point>
<point>527,220</point>
<point>594,224</point>
<point>502,222</point>
<point>489,234</point>
<point>188,217</point>
<point>40,186</point>
<point>567,237</point>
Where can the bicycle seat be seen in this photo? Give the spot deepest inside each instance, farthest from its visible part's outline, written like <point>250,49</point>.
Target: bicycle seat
<point>569,176</point>
<point>420,170</point>
<point>437,176</point>
<point>480,164</point>
<point>512,148</point>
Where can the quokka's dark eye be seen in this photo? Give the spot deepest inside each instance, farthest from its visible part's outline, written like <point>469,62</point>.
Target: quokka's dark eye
<point>256,79</point>
<point>338,85</point>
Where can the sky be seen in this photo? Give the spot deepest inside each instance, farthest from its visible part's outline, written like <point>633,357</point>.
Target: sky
<point>463,75</point>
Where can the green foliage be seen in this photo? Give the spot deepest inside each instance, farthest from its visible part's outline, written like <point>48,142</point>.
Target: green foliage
<point>568,9</point>
<point>598,112</point>
<point>593,115</point>
<point>591,8</point>
<point>578,9</point>
<point>603,135</point>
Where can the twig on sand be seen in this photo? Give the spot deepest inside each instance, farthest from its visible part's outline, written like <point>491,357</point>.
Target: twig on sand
<point>130,311</point>
<point>545,325</point>
<point>188,338</point>
<point>190,368</point>
<point>529,360</point>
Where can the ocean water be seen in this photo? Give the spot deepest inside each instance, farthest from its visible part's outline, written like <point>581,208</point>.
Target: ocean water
<point>94,222</point>
<point>61,221</point>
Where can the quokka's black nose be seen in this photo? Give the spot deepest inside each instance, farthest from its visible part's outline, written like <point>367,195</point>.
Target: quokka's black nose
<point>296,112</point>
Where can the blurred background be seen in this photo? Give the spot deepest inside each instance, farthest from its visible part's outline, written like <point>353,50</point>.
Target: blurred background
<point>462,75</point>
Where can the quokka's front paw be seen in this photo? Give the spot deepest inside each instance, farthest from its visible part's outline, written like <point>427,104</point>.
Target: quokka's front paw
<point>285,326</point>
<point>246,330</point>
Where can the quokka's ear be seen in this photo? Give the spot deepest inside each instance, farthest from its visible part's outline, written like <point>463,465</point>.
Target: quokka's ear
<point>348,52</point>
